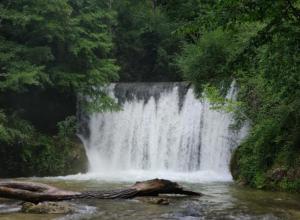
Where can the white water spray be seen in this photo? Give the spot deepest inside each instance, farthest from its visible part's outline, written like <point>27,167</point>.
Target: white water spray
<point>162,131</point>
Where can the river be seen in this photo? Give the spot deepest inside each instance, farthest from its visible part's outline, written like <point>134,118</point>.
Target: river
<point>221,200</point>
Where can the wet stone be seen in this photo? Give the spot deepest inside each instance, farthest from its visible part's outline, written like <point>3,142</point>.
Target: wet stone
<point>48,208</point>
<point>154,200</point>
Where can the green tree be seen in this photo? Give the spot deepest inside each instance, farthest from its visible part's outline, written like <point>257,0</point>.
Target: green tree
<point>65,44</point>
<point>258,45</point>
<point>145,43</point>
<point>60,45</point>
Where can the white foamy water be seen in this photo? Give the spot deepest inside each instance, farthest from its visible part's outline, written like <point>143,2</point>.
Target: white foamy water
<point>204,176</point>
<point>163,131</point>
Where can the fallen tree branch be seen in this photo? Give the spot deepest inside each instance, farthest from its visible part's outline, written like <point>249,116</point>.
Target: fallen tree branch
<point>38,192</point>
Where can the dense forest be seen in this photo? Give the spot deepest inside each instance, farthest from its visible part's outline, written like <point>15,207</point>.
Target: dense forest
<point>53,50</point>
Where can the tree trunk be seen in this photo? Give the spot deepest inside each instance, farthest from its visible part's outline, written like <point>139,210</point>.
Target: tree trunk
<point>38,192</point>
<point>154,5</point>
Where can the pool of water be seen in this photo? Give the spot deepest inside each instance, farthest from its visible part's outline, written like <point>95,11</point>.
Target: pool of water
<point>221,200</point>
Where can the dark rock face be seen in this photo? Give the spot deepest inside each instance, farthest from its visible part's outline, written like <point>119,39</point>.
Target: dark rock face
<point>82,119</point>
<point>144,91</point>
<point>55,159</point>
<point>43,108</point>
<point>277,174</point>
<point>234,167</point>
<point>280,173</point>
<point>78,162</point>
<point>48,156</point>
<point>278,177</point>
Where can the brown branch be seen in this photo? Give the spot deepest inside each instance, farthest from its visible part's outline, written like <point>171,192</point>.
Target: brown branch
<point>38,192</point>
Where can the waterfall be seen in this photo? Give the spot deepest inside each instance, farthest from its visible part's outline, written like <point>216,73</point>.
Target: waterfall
<point>162,130</point>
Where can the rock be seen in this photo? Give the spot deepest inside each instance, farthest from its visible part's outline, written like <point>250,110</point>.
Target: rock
<point>77,158</point>
<point>293,174</point>
<point>242,182</point>
<point>277,174</point>
<point>48,208</point>
<point>155,200</point>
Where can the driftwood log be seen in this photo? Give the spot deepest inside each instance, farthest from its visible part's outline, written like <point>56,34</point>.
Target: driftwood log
<point>38,192</point>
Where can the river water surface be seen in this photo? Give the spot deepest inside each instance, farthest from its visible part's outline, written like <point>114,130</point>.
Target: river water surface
<point>221,200</point>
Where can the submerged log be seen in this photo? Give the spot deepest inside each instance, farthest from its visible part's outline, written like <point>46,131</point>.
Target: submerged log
<point>38,192</point>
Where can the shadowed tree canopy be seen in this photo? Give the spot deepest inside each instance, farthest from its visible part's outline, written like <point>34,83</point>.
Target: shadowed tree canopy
<point>257,43</point>
<point>62,44</point>
<point>50,51</point>
<point>145,45</point>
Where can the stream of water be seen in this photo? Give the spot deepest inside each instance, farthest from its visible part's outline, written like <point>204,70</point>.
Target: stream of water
<point>162,130</point>
<point>221,201</point>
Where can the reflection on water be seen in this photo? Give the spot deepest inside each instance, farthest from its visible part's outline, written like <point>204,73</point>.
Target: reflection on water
<point>220,201</point>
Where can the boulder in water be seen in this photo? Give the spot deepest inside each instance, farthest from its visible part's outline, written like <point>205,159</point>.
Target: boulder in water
<point>154,200</point>
<point>48,208</point>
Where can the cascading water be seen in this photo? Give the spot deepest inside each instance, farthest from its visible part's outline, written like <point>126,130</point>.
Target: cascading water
<point>163,130</point>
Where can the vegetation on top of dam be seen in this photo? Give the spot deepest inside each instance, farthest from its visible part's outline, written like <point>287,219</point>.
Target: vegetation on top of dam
<point>52,50</point>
